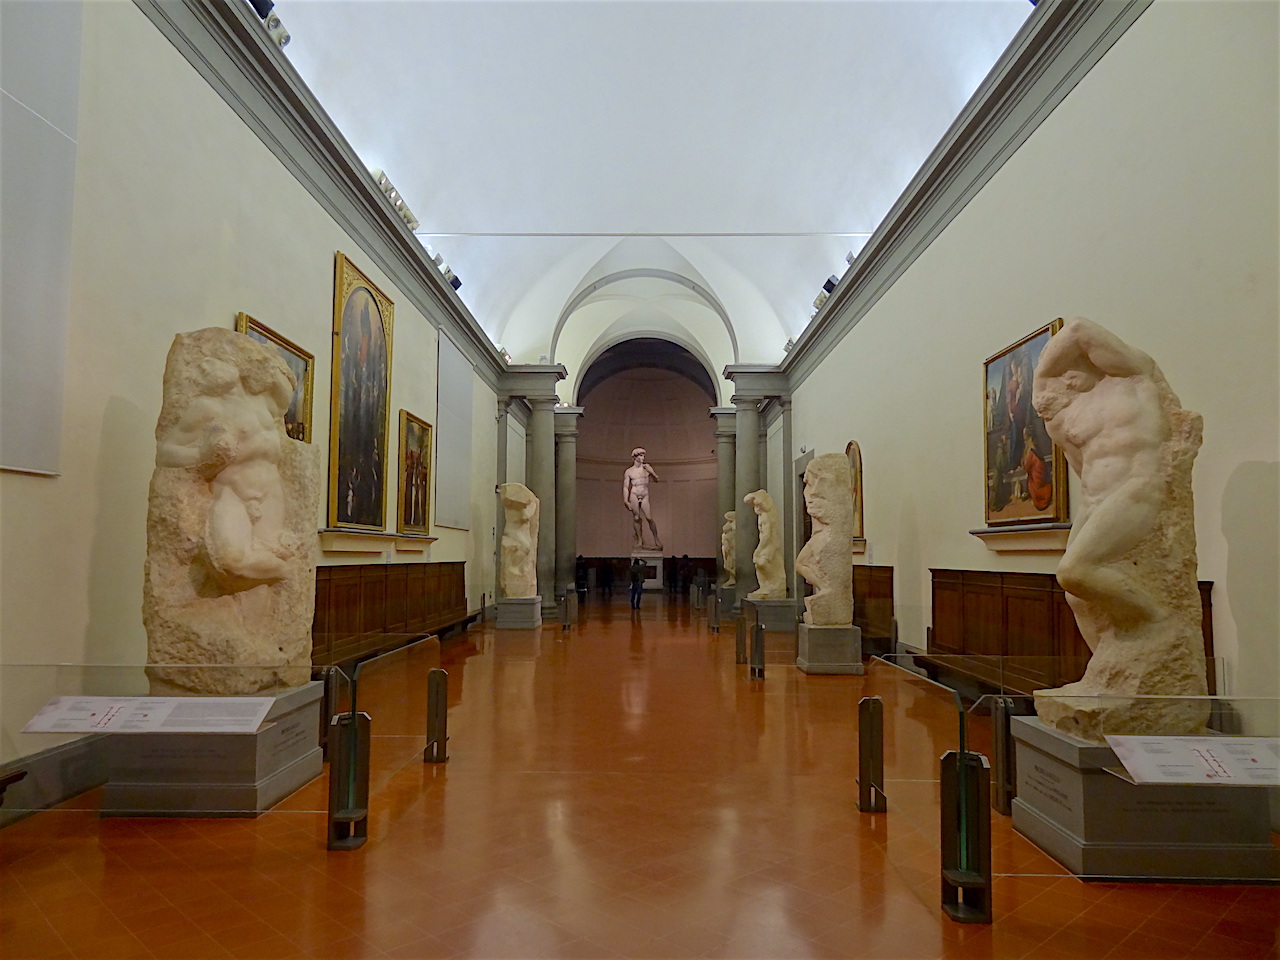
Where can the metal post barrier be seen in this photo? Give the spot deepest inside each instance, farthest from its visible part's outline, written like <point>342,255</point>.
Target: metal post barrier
<point>437,717</point>
<point>328,702</point>
<point>740,640</point>
<point>966,836</point>
<point>349,782</point>
<point>871,798</point>
<point>1004,771</point>
<point>568,610</point>
<point>713,611</point>
<point>757,651</point>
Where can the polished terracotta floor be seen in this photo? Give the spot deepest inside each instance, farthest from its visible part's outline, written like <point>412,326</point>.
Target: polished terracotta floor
<point>618,790</point>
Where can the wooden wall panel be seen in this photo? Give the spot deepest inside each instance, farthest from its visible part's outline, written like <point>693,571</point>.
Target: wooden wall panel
<point>369,608</point>
<point>1023,618</point>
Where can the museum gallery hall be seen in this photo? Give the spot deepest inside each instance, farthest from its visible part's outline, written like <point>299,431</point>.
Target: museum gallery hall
<point>640,480</point>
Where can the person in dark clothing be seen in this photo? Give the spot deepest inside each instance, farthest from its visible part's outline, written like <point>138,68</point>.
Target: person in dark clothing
<point>636,575</point>
<point>606,578</point>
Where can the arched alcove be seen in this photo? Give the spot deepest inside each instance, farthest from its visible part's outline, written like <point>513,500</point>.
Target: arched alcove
<point>653,394</point>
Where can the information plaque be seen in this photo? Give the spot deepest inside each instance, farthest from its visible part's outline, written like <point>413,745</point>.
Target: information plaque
<point>150,715</point>
<point>1212,761</point>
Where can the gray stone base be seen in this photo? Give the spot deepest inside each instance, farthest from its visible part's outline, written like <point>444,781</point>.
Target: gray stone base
<point>1102,827</point>
<point>519,613</point>
<point>777,616</point>
<point>829,649</point>
<point>217,774</point>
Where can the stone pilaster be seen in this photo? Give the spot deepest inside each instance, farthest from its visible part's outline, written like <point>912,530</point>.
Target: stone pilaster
<point>747,480</point>
<point>566,496</point>
<point>726,479</point>
<point>541,474</point>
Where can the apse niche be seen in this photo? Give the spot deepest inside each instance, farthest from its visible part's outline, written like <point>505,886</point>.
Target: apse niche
<point>653,394</point>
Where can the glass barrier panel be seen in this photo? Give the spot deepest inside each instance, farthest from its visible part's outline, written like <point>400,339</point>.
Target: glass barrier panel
<point>119,740</point>
<point>1142,787</point>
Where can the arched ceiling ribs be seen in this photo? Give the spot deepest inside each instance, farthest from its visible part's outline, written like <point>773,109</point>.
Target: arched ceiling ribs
<point>643,273</point>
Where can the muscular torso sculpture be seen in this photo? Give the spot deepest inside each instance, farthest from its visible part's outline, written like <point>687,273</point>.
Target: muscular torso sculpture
<point>635,497</point>
<point>1129,567</point>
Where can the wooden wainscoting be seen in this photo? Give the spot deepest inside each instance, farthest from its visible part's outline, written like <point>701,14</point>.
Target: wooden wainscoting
<point>873,607</point>
<point>979,616</point>
<point>370,608</point>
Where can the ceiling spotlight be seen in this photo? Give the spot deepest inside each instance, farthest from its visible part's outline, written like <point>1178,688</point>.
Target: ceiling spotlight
<point>397,201</point>
<point>789,345</point>
<point>820,299</point>
<point>831,283</point>
<point>276,31</point>
<point>850,257</point>
<point>262,7</point>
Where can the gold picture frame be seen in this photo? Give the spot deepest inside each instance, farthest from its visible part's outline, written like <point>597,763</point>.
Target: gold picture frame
<point>359,401</point>
<point>1025,471</point>
<point>297,419</point>
<point>413,510</point>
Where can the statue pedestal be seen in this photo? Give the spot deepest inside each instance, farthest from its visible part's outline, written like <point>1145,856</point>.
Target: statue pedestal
<point>777,616</point>
<point>829,649</point>
<point>653,562</point>
<point>1103,827</point>
<point>217,774</point>
<point>519,613</point>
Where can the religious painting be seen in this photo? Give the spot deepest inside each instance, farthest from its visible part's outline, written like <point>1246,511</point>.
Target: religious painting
<point>297,419</point>
<point>359,403</point>
<point>854,453</point>
<point>415,475</point>
<point>1026,472</point>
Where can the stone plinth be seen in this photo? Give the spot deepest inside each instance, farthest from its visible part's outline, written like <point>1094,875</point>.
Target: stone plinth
<point>829,649</point>
<point>519,613</point>
<point>1101,826</point>
<point>217,774</point>
<point>777,616</point>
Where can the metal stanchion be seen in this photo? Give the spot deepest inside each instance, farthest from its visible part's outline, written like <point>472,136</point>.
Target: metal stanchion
<point>757,651</point>
<point>713,611</point>
<point>437,717</point>
<point>568,610</point>
<point>1004,771</point>
<point>966,837</point>
<point>871,798</point>
<point>328,702</point>
<point>740,640</point>
<point>349,781</point>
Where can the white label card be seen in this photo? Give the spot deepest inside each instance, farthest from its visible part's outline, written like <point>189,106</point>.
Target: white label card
<point>150,715</point>
<point>1213,761</point>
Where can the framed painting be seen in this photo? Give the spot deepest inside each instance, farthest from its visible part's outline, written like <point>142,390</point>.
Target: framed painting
<point>1026,472</point>
<point>854,453</point>
<point>359,401</point>
<point>297,419</point>
<point>414,515</point>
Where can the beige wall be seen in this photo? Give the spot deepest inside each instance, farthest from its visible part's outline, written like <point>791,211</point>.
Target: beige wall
<point>181,218</point>
<point>1147,202</point>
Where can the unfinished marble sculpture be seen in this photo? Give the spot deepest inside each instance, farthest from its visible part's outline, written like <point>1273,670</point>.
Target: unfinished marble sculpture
<point>827,559</point>
<point>768,554</point>
<point>728,548</point>
<point>519,541</point>
<point>1129,569</point>
<point>231,524</point>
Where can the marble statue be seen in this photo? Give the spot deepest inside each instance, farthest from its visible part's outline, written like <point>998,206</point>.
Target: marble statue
<point>827,559</point>
<point>728,548</point>
<point>231,521</point>
<point>768,554</point>
<point>519,541</point>
<point>635,496</point>
<point>1129,568</point>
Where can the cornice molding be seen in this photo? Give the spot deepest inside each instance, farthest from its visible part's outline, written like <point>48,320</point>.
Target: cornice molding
<point>1057,46</point>
<point>758,380</point>
<point>532,381</point>
<point>225,43</point>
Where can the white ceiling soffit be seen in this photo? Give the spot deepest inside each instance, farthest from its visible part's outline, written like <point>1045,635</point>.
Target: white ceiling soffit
<point>762,140</point>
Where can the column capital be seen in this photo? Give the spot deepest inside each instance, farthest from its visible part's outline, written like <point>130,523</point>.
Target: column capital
<point>757,380</point>
<point>533,381</point>
<point>743,403</point>
<point>567,421</point>
<point>724,418</point>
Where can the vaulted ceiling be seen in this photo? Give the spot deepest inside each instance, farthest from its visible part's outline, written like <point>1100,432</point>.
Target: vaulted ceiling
<point>599,171</point>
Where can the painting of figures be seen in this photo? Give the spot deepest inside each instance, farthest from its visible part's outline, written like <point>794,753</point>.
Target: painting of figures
<point>415,474</point>
<point>1026,473</point>
<point>297,419</point>
<point>359,401</point>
